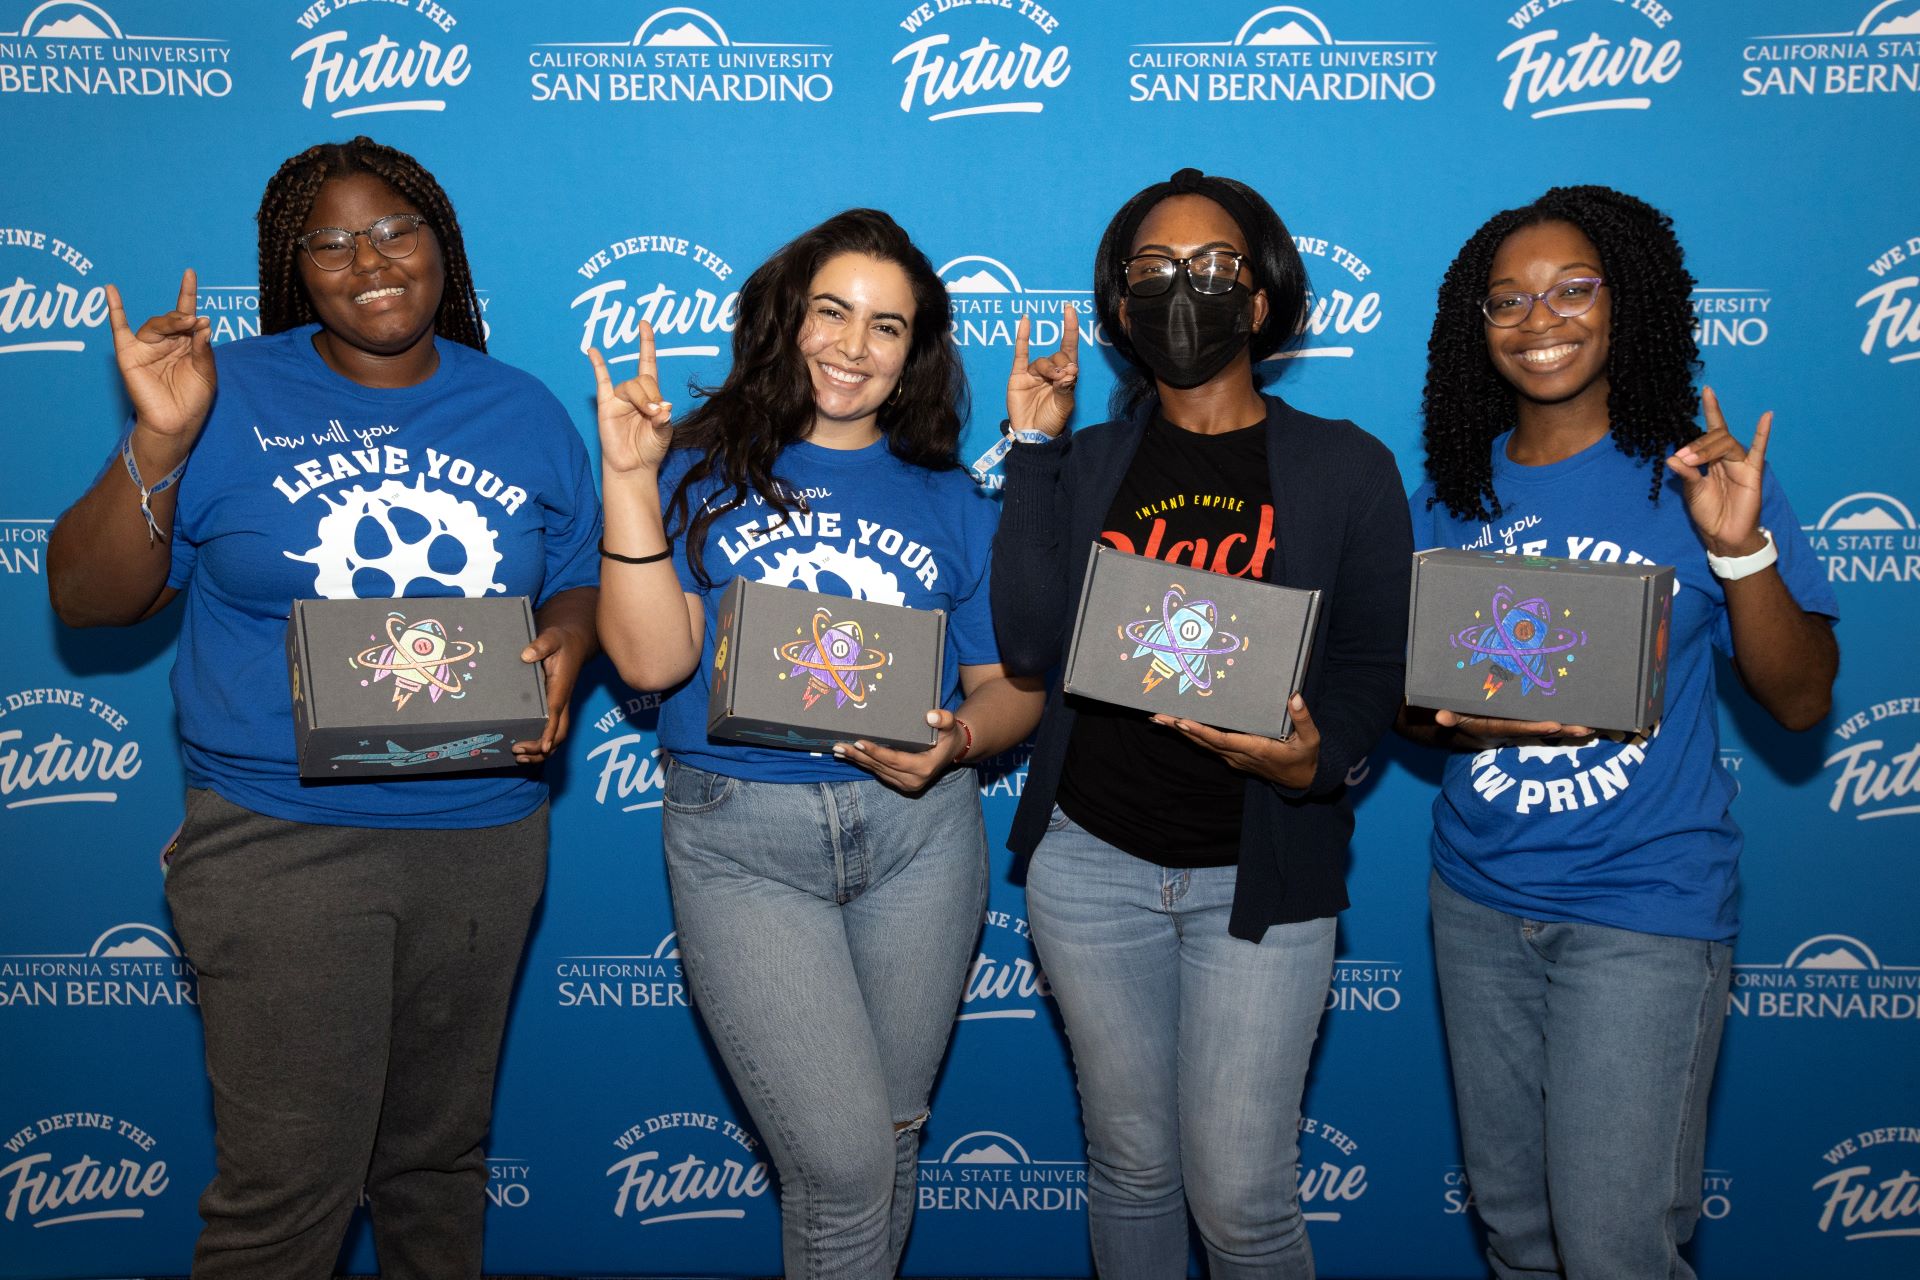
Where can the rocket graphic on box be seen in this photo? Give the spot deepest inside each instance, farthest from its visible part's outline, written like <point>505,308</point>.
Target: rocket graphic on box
<point>803,670</point>
<point>438,683</point>
<point>1540,638</point>
<point>1163,637</point>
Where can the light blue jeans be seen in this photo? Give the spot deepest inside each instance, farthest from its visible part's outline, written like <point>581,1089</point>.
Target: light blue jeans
<point>826,930</point>
<point>1191,1051</point>
<point>1582,1059</point>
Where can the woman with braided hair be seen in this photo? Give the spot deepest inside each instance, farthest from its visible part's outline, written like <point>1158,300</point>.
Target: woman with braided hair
<point>1583,886</point>
<point>356,941</point>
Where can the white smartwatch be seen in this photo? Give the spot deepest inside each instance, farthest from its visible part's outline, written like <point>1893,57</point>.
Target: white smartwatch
<point>1734,568</point>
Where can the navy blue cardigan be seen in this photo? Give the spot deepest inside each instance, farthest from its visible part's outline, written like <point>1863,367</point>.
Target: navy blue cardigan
<point>1340,525</point>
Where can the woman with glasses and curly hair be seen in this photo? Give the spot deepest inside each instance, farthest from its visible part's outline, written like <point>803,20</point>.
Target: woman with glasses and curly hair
<point>826,905</point>
<point>355,941</point>
<point>1583,886</point>
<point>1184,882</point>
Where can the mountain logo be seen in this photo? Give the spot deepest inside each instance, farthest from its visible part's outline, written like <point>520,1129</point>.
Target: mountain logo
<point>1867,511</point>
<point>695,30</point>
<point>1832,951</point>
<point>137,941</point>
<point>984,1146</point>
<point>72,20</point>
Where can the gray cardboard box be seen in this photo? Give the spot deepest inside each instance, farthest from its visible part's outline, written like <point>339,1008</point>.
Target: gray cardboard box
<point>1161,637</point>
<point>799,669</point>
<point>400,688</point>
<point>1540,638</point>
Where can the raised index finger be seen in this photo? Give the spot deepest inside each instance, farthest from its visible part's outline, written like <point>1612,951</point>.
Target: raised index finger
<point>1069,333</point>
<point>602,380</point>
<point>1020,346</point>
<point>189,285</point>
<point>647,363</point>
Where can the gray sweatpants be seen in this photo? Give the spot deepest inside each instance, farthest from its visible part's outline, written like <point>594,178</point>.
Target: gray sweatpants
<point>353,985</point>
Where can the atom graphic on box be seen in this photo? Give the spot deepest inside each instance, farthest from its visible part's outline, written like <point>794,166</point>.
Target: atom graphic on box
<point>836,660</point>
<point>1182,640</point>
<point>1522,633</point>
<point>418,655</point>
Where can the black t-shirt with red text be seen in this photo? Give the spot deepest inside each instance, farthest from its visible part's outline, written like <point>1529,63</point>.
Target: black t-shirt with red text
<point>1205,502</point>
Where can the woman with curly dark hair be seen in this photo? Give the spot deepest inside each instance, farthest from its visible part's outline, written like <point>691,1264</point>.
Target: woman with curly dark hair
<point>1184,882</point>
<point>826,906</point>
<point>356,941</point>
<point>1583,885</point>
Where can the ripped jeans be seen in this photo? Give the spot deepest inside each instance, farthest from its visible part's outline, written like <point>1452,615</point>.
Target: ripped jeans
<point>826,930</point>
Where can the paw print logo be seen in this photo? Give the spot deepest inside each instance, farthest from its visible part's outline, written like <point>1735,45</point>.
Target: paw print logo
<point>813,570</point>
<point>393,541</point>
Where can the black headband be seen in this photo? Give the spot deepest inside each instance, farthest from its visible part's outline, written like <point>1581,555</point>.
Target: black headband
<point>1191,182</point>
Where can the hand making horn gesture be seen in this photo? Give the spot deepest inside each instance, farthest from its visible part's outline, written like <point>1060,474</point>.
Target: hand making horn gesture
<point>167,365</point>
<point>1721,481</point>
<point>635,420</point>
<point>1040,392</point>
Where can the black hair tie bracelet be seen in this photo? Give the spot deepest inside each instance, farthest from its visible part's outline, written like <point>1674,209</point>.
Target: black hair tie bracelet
<point>615,555</point>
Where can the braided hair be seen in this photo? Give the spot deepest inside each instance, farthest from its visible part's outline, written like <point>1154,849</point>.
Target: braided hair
<point>1651,361</point>
<point>289,198</point>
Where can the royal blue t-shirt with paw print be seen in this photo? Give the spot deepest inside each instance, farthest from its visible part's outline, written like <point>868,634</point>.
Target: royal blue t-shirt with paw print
<point>872,527</point>
<point>1635,833</point>
<point>305,484</point>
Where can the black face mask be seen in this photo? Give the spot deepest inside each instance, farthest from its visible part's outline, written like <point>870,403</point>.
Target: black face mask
<point>1186,336</point>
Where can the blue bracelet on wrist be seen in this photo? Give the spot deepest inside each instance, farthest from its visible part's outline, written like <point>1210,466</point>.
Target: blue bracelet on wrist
<point>165,483</point>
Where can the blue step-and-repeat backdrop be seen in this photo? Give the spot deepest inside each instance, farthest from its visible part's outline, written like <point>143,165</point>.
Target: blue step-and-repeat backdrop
<point>616,160</point>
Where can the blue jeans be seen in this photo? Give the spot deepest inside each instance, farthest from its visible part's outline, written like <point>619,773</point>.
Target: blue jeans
<point>1582,1059</point>
<point>1191,1051</point>
<point>826,930</point>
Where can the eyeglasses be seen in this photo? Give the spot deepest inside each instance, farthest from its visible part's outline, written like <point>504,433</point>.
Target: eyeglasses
<point>1214,271</point>
<point>1509,309</point>
<point>331,248</point>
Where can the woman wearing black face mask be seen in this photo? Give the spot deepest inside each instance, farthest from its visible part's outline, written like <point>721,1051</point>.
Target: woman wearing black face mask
<point>1184,881</point>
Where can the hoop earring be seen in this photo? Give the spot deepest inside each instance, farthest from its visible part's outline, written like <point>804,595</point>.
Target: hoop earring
<point>895,397</point>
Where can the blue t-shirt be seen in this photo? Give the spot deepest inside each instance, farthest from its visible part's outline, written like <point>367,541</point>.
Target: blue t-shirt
<point>875,528</point>
<point>1632,833</point>
<point>305,484</point>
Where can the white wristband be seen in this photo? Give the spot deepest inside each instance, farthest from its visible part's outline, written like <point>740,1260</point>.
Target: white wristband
<point>1000,448</point>
<point>1734,568</point>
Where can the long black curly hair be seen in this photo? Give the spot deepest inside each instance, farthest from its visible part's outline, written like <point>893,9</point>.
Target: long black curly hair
<point>1273,261</point>
<point>1651,361</point>
<point>765,403</point>
<point>289,198</point>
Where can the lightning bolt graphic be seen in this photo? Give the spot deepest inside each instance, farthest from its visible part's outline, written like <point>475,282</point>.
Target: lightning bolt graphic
<point>1492,685</point>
